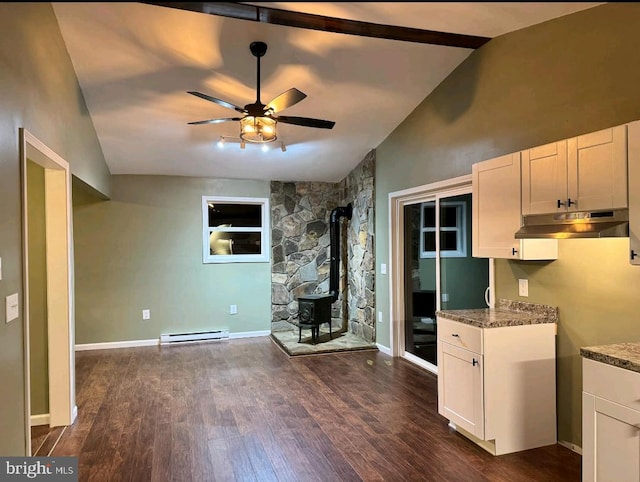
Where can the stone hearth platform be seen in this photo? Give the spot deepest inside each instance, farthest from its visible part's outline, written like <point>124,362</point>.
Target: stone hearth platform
<point>287,339</point>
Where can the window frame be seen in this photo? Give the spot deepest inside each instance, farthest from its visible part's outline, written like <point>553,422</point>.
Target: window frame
<point>264,230</point>
<point>460,229</point>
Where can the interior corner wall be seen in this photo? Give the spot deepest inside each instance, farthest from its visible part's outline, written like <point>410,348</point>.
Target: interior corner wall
<point>39,91</point>
<point>564,77</point>
<point>300,214</point>
<point>142,249</point>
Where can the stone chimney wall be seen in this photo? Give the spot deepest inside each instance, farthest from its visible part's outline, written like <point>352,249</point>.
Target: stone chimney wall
<point>300,213</point>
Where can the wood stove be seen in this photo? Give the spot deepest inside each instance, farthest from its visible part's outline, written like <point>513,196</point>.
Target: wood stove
<point>314,310</point>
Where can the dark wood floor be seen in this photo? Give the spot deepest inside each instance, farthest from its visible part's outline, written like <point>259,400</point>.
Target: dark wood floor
<point>44,439</point>
<point>243,410</point>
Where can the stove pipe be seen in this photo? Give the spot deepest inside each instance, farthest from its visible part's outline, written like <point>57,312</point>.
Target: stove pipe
<point>334,232</point>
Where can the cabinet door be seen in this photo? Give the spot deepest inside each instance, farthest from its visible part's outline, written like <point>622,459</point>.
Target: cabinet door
<point>612,441</point>
<point>496,213</point>
<point>597,170</point>
<point>496,207</point>
<point>634,191</point>
<point>544,178</point>
<point>461,388</point>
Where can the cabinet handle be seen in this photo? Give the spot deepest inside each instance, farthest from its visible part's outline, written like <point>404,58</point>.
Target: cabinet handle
<point>514,251</point>
<point>455,334</point>
<point>633,254</point>
<point>474,362</point>
<point>560,204</point>
<point>570,202</point>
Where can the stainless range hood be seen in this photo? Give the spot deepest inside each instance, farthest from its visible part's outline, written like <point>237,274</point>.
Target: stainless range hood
<point>583,224</point>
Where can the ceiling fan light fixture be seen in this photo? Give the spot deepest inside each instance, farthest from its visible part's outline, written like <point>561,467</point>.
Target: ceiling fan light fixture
<point>259,129</point>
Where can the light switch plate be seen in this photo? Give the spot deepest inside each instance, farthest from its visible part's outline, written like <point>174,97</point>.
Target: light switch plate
<point>523,287</point>
<point>233,309</point>
<point>12,307</point>
<point>383,268</point>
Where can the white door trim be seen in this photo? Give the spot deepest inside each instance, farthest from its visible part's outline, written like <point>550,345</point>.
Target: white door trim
<point>397,201</point>
<point>59,263</point>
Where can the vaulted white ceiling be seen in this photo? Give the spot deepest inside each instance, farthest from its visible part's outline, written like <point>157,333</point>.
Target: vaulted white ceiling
<point>135,63</point>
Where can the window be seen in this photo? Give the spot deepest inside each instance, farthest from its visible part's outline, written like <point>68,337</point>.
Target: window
<point>235,229</point>
<point>453,239</point>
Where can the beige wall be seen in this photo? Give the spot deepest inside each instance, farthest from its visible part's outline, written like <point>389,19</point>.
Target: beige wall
<point>38,91</point>
<point>38,337</point>
<point>564,77</point>
<point>143,250</point>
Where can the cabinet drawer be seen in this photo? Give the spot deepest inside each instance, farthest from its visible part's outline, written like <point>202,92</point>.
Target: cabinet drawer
<point>611,383</point>
<point>460,334</point>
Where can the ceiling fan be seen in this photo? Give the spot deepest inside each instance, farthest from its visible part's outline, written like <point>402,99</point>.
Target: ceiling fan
<point>259,122</point>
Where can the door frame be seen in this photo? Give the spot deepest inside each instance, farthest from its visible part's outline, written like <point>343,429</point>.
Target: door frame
<point>60,287</point>
<point>397,201</point>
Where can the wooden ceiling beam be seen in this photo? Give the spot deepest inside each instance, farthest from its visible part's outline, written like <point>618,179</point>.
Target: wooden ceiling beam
<point>288,18</point>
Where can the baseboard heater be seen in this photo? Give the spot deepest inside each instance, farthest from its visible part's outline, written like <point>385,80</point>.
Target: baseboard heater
<point>169,338</point>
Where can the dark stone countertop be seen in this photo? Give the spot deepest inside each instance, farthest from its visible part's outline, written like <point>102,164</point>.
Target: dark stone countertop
<point>506,313</point>
<point>622,355</point>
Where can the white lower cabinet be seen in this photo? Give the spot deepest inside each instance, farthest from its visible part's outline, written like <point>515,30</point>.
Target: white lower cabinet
<point>610,423</point>
<point>497,386</point>
<point>634,192</point>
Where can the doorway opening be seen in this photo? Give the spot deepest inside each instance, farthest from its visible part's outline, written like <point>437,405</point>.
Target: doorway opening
<point>432,267</point>
<point>48,287</point>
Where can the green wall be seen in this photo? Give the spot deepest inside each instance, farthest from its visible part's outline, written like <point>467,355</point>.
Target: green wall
<point>38,91</point>
<point>38,337</point>
<point>561,78</point>
<point>142,249</point>
<point>596,291</point>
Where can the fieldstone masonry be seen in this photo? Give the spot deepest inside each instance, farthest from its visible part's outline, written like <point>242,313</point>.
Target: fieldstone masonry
<point>300,213</point>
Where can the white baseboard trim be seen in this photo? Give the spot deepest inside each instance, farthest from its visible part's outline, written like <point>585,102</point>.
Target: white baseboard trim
<point>42,419</point>
<point>570,446</point>
<point>154,342</point>
<point>384,349</point>
<point>249,334</point>
<point>116,344</point>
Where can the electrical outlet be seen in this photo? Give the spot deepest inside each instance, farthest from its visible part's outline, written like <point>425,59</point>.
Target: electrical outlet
<point>383,268</point>
<point>146,314</point>
<point>233,309</point>
<point>379,316</point>
<point>445,297</point>
<point>523,287</point>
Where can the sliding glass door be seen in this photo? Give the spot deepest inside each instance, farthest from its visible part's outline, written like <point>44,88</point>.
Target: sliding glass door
<point>439,271</point>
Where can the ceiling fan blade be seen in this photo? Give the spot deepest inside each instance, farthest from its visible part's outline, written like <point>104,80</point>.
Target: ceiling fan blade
<point>285,100</point>
<point>215,121</point>
<point>305,121</point>
<point>223,103</point>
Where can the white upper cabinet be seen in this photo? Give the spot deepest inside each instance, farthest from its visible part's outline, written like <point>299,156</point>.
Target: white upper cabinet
<point>584,173</point>
<point>634,192</point>
<point>497,213</point>
<point>544,178</point>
